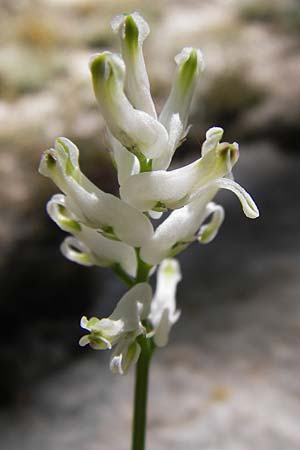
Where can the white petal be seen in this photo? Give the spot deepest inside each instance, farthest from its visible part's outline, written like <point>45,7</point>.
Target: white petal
<point>127,164</point>
<point>76,251</point>
<point>126,354</point>
<point>102,251</point>
<point>61,215</point>
<point>155,215</point>
<point>84,322</point>
<point>178,230</point>
<point>92,206</point>
<point>175,188</point>
<point>100,343</point>
<point>209,231</point>
<point>133,30</point>
<point>176,132</point>
<point>107,252</point>
<point>249,207</point>
<point>160,189</point>
<point>135,129</point>
<point>84,340</point>
<point>134,306</point>
<point>110,328</point>
<point>189,67</point>
<point>213,137</point>
<point>174,115</point>
<point>162,331</point>
<point>163,308</point>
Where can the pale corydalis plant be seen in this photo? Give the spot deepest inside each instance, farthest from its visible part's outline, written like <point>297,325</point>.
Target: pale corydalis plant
<point>108,231</point>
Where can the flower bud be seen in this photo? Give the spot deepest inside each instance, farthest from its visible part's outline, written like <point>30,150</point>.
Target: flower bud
<point>175,113</point>
<point>163,307</point>
<point>136,130</point>
<point>121,328</point>
<point>133,30</point>
<point>189,67</point>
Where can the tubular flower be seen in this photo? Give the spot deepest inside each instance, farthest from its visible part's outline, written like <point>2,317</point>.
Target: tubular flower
<point>121,328</point>
<point>133,30</point>
<point>182,227</point>
<point>138,131</point>
<point>161,190</point>
<point>175,113</point>
<point>116,231</point>
<point>93,207</point>
<point>87,246</point>
<point>163,307</point>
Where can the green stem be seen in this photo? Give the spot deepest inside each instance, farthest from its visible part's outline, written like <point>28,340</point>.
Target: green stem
<point>139,425</point>
<point>117,269</point>
<point>141,394</point>
<point>142,270</point>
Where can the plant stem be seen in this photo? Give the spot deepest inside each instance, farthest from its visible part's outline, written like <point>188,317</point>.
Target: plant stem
<point>143,269</point>
<point>117,269</point>
<point>141,394</point>
<point>139,425</point>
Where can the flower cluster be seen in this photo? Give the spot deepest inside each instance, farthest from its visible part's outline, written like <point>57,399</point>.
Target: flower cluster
<point>117,232</point>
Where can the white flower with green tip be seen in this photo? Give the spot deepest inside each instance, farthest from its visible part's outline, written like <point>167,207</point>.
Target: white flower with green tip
<point>163,313</point>
<point>137,130</point>
<point>189,67</point>
<point>133,30</point>
<point>121,328</point>
<point>126,353</point>
<point>173,189</point>
<point>182,227</point>
<point>175,113</point>
<point>93,207</point>
<point>88,247</point>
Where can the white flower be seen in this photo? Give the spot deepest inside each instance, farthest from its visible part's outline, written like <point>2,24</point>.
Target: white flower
<point>88,247</point>
<point>137,130</point>
<point>163,307</point>
<point>174,115</point>
<point>189,67</point>
<point>133,30</point>
<point>182,227</point>
<point>93,207</point>
<point>126,353</point>
<point>121,328</point>
<point>161,190</point>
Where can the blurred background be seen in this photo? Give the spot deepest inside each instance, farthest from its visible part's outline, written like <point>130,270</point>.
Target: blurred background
<point>230,377</point>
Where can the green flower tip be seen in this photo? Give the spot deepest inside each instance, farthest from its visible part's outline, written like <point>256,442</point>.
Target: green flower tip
<point>232,150</point>
<point>47,163</point>
<point>99,66</point>
<point>169,269</point>
<point>189,70</point>
<point>73,225</point>
<point>131,32</point>
<point>50,159</point>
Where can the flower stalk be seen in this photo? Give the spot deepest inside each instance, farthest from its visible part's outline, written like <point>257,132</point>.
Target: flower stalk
<point>139,424</point>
